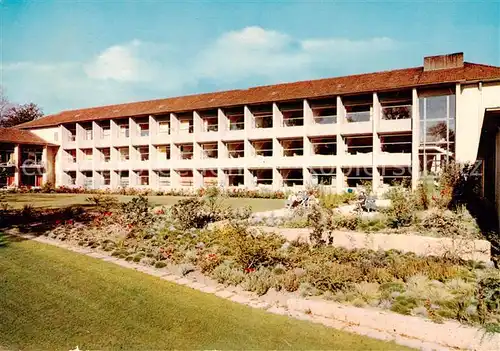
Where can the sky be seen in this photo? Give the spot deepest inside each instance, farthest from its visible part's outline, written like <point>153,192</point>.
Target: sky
<point>74,54</point>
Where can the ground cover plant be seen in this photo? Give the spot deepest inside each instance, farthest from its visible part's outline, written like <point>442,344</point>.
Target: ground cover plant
<point>234,254</point>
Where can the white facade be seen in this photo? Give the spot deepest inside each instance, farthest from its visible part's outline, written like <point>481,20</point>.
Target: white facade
<point>337,141</point>
<point>420,119</point>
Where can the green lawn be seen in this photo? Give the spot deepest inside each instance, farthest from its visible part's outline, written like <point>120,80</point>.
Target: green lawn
<point>51,298</point>
<point>62,200</point>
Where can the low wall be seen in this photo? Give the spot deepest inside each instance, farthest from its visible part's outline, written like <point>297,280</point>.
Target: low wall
<point>477,250</point>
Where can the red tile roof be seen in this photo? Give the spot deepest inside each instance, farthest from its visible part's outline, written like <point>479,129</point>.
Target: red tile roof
<point>354,84</point>
<point>19,136</point>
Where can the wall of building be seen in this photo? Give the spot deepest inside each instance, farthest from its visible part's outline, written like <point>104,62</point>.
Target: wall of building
<point>472,101</point>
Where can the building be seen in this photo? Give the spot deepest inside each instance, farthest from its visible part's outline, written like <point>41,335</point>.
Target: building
<point>379,127</point>
<point>25,158</point>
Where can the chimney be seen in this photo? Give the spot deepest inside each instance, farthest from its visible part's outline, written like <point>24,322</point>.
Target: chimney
<point>434,63</point>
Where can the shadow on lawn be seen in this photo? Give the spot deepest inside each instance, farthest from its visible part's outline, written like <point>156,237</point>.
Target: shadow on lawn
<point>37,221</point>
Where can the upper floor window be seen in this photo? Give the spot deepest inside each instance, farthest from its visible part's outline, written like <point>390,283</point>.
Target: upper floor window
<point>164,127</point>
<point>124,130</point>
<point>437,132</point>
<point>143,129</point>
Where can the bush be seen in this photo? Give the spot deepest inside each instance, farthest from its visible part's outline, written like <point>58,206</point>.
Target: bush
<point>228,275</point>
<point>333,200</point>
<point>402,211</point>
<point>248,248</point>
<point>160,264</point>
<point>102,203</point>
<point>136,212</point>
<point>3,240</point>
<point>259,281</point>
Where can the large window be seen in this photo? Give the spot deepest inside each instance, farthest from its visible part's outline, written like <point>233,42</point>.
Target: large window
<point>437,132</point>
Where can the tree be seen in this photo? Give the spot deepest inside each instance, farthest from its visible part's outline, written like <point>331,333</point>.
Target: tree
<point>14,114</point>
<point>20,114</point>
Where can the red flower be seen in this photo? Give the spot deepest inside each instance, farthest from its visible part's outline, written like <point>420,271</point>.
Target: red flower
<point>58,222</point>
<point>107,214</point>
<point>249,270</point>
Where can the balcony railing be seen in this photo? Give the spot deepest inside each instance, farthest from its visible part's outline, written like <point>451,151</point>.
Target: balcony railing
<point>293,152</point>
<point>293,122</point>
<point>264,152</point>
<point>236,126</point>
<point>361,116</point>
<point>396,112</point>
<point>325,119</point>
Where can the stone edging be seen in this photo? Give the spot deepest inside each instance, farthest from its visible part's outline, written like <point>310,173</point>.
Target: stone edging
<point>409,331</point>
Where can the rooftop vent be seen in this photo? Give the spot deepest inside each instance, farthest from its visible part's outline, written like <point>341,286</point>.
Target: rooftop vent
<point>434,63</point>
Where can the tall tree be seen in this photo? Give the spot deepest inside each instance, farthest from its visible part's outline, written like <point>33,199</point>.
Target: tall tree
<point>15,115</point>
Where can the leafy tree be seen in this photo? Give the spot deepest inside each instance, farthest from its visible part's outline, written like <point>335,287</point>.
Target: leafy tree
<point>15,115</point>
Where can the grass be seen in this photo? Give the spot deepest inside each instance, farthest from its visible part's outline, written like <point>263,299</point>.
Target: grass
<point>51,298</point>
<point>64,200</point>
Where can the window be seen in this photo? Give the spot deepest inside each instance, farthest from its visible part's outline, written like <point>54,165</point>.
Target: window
<point>144,129</point>
<point>87,179</point>
<point>72,134</point>
<point>437,132</point>
<point>106,178</point>
<point>106,155</point>
<point>106,132</point>
<point>163,152</point>
<point>143,178</point>
<point>71,178</point>
<point>209,151</point>
<point>164,178</point>
<point>87,154</point>
<point>164,127</point>
<point>7,157</point>
<point>359,144</point>
<point>143,153</point>
<point>87,134</point>
<point>124,153</point>
<point>71,156</point>
<point>186,152</point>
<point>124,130</point>
<point>31,156</point>
<point>124,179</point>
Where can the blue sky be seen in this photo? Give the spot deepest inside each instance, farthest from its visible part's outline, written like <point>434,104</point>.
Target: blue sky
<point>68,54</point>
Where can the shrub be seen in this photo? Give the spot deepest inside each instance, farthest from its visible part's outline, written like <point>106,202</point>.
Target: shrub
<point>306,289</point>
<point>333,200</point>
<point>137,211</point>
<point>289,281</point>
<point>259,281</point>
<point>191,213</point>
<point>333,276</point>
<point>249,248</point>
<point>102,203</point>
<point>186,268</point>
<point>226,274</point>
<point>401,213</point>
<point>3,240</point>
<point>160,264</point>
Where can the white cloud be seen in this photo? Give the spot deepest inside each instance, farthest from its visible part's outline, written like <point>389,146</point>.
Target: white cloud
<point>140,70</point>
<point>121,63</point>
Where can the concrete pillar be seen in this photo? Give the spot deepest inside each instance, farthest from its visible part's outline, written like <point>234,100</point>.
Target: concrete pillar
<point>277,148</point>
<point>415,139</point>
<point>175,179</point>
<point>341,147</point>
<point>174,123</point>
<point>376,113</point>
<point>277,179</point>
<point>221,178</point>
<point>17,169</point>
<point>115,179</point>
<point>248,115</point>
<point>248,178</point>
<point>277,117</point>
<point>197,178</point>
<point>308,116</point>
<point>222,121</point>
<point>306,176</point>
<point>197,123</point>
